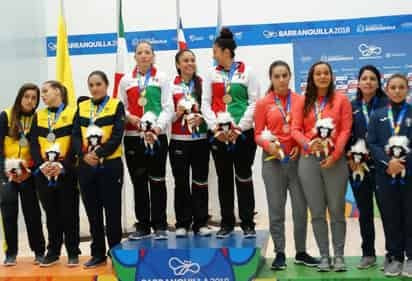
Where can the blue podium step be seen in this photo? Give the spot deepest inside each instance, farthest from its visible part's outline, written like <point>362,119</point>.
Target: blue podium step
<point>193,258</point>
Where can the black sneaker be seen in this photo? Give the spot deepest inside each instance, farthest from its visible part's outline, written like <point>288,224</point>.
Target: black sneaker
<point>306,259</point>
<point>249,232</point>
<point>224,232</point>
<point>49,260</point>
<point>279,263</point>
<point>95,262</point>
<point>73,261</point>
<point>140,234</point>
<point>38,259</point>
<point>10,261</point>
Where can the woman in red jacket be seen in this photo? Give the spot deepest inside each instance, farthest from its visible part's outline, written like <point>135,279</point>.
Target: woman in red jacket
<point>279,166</point>
<point>322,125</point>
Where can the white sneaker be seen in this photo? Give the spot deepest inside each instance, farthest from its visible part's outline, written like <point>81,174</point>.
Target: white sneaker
<point>181,232</point>
<point>204,231</point>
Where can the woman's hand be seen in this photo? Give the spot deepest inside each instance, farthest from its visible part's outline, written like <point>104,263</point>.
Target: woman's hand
<point>294,153</point>
<point>316,145</point>
<point>134,120</point>
<point>91,159</point>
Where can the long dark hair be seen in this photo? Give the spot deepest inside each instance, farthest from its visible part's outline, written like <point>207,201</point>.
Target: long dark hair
<point>274,64</point>
<point>379,90</point>
<point>311,93</point>
<point>196,78</point>
<point>225,41</point>
<point>17,109</point>
<point>60,87</point>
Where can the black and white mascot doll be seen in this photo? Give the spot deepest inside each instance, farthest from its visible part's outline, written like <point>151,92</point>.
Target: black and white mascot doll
<point>191,110</point>
<point>52,158</point>
<point>15,167</point>
<point>226,124</point>
<point>94,136</point>
<point>147,124</point>
<point>324,129</point>
<point>268,136</point>
<point>359,154</point>
<point>397,148</point>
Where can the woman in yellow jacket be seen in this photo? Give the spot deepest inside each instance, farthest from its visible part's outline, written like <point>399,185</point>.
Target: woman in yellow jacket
<point>54,162</point>
<point>15,175</point>
<point>97,138</point>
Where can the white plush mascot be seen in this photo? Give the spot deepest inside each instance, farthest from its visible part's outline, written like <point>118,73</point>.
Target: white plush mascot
<point>146,127</point>
<point>397,148</point>
<point>324,128</point>
<point>15,166</point>
<point>94,136</point>
<point>52,158</point>
<point>359,154</point>
<point>267,135</point>
<point>190,107</point>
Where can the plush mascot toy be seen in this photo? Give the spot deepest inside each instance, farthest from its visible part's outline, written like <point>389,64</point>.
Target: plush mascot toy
<point>52,158</point>
<point>324,128</point>
<point>15,167</point>
<point>94,136</point>
<point>191,110</point>
<point>146,127</point>
<point>397,148</point>
<point>226,124</point>
<point>267,135</point>
<point>359,154</point>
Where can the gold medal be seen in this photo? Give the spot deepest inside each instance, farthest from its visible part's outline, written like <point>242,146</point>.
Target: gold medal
<point>142,101</point>
<point>227,99</point>
<point>143,93</point>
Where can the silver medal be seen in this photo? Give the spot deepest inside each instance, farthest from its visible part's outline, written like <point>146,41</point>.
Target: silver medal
<point>51,137</point>
<point>23,142</point>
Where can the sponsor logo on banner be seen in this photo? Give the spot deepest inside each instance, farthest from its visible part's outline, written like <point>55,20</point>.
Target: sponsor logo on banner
<point>268,34</point>
<point>360,28</point>
<point>369,51</point>
<point>194,38</point>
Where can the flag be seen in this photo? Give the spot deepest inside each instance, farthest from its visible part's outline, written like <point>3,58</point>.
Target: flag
<point>122,56</point>
<point>63,66</point>
<point>181,41</point>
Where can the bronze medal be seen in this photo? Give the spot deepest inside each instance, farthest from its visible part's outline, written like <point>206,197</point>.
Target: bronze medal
<point>227,99</point>
<point>142,101</point>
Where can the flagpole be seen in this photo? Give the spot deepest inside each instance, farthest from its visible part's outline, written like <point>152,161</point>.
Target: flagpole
<point>177,22</point>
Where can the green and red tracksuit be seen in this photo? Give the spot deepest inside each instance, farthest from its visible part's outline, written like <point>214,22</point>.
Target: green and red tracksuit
<point>244,90</point>
<point>187,150</point>
<point>150,208</point>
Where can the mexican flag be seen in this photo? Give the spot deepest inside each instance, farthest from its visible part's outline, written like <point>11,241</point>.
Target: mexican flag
<point>122,53</point>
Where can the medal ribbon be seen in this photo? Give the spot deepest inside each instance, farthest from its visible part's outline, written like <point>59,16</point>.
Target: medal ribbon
<point>395,128</point>
<point>56,117</point>
<point>282,112</point>
<point>146,81</point>
<point>229,76</point>
<point>319,109</point>
<point>93,116</point>
<point>365,111</point>
<point>187,91</point>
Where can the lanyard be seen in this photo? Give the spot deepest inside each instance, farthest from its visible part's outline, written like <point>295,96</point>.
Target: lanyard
<point>146,81</point>
<point>319,109</point>
<point>285,115</point>
<point>56,117</point>
<point>101,106</point>
<point>24,125</point>
<point>396,127</point>
<point>187,91</point>
<point>229,76</point>
<point>365,111</point>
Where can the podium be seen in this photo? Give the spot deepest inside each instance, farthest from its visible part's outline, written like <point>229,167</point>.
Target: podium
<point>192,258</point>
